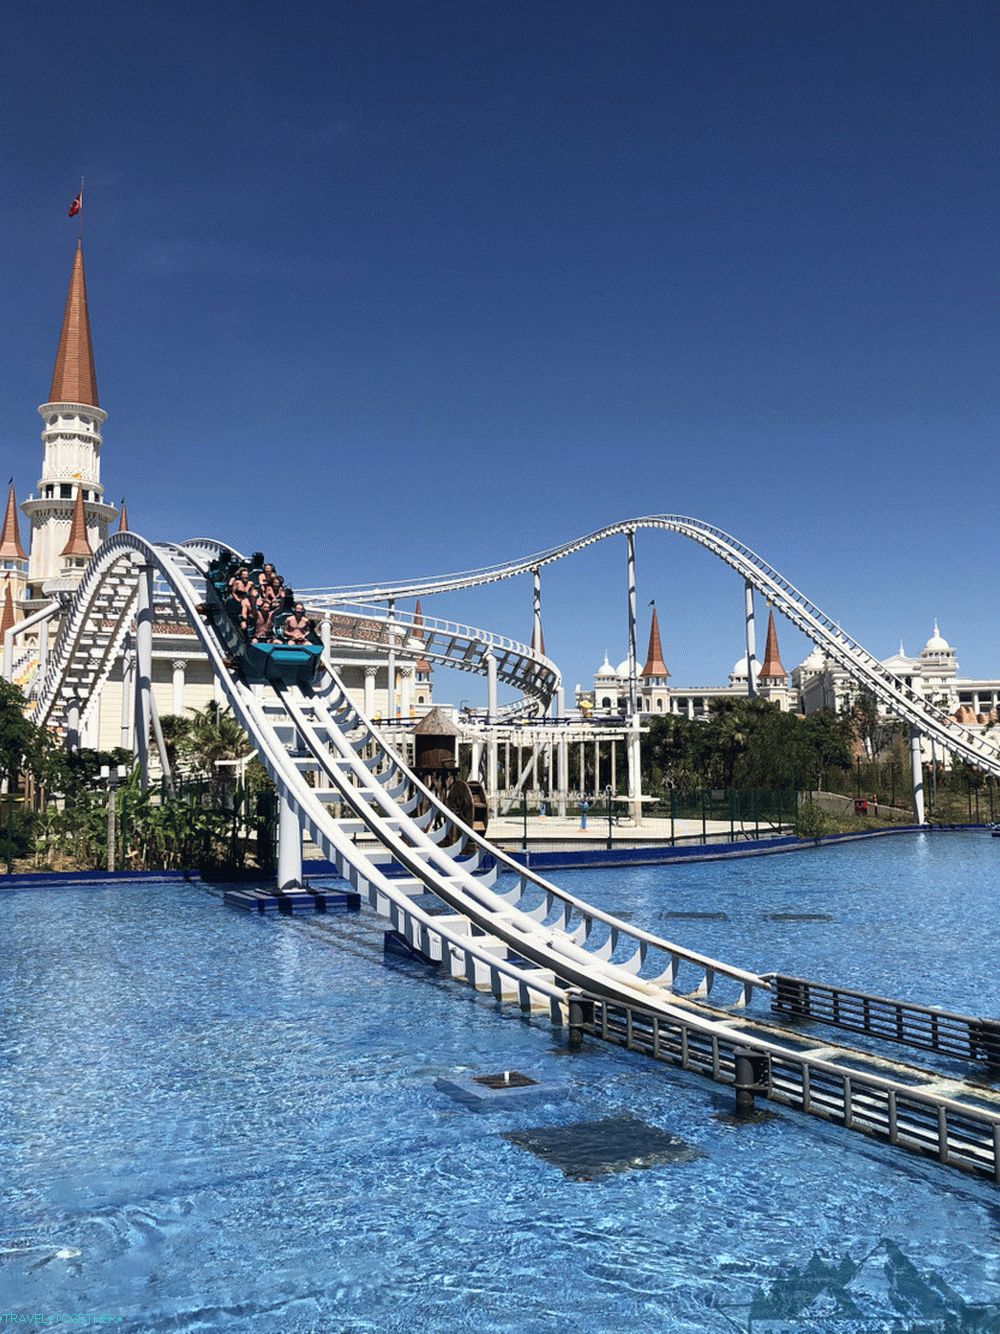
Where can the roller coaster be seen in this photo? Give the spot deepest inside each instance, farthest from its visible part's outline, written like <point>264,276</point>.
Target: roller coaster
<point>459,901</point>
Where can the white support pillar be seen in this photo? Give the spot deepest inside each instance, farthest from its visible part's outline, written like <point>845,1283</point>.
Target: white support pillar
<point>583,768</point>
<point>491,686</point>
<point>289,845</point>
<point>597,766</point>
<point>128,693</point>
<point>917,774</point>
<point>179,673</point>
<point>563,772</point>
<point>73,725</point>
<point>43,648</point>
<point>614,765</point>
<point>635,771</point>
<point>476,762</point>
<point>536,610</point>
<point>8,654</point>
<point>751,639</point>
<point>370,690</point>
<point>633,685</point>
<point>406,691</point>
<point>390,708</point>
<point>143,671</point>
<point>325,629</point>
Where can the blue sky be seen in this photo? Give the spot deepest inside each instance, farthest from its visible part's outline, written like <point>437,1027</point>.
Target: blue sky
<point>389,287</point>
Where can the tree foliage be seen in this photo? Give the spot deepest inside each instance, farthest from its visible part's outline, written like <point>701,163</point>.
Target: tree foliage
<point>744,743</point>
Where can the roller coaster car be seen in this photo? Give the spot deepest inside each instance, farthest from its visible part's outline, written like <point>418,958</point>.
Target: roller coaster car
<point>259,662</point>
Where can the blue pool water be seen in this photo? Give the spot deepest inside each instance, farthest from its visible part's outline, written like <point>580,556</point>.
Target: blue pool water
<point>213,1121</point>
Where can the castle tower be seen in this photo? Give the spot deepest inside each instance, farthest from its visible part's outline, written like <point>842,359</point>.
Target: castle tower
<point>13,561</point>
<point>71,455</point>
<point>773,679</point>
<point>653,677</point>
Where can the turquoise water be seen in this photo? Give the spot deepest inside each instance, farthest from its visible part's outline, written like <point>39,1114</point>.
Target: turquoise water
<point>212,1121</point>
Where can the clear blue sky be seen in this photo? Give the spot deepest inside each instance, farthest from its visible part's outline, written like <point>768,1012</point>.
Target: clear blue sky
<point>414,286</point>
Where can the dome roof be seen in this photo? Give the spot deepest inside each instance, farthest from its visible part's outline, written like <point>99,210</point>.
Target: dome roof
<point>605,668</point>
<point>622,668</point>
<point>937,642</point>
<point>740,668</point>
<point>815,660</point>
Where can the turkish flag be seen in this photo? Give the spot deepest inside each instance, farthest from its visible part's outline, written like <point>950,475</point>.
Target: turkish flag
<point>76,205</point>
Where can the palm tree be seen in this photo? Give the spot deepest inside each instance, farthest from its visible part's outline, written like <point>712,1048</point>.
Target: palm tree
<point>212,736</point>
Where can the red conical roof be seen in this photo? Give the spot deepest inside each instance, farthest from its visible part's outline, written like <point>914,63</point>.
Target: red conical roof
<point>10,538</point>
<point>7,615</point>
<point>655,666</point>
<point>123,518</point>
<point>73,378</point>
<point>771,667</point>
<point>78,544</point>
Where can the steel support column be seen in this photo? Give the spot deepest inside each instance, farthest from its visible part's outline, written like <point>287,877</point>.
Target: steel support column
<point>143,671</point>
<point>289,845</point>
<point>751,639</point>
<point>633,691</point>
<point>917,775</point>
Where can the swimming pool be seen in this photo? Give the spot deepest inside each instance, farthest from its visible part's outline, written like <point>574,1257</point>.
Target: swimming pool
<point>210,1120</point>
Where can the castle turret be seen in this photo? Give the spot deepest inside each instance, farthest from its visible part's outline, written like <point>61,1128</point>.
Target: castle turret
<point>13,561</point>
<point>71,438</point>
<point>772,671</point>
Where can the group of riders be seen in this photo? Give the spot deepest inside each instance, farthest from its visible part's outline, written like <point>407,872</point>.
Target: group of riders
<point>266,610</point>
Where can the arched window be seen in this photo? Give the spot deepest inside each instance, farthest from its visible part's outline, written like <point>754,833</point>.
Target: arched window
<point>606,702</point>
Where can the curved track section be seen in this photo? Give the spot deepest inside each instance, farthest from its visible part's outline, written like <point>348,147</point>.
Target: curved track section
<point>362,627</point>
<point>863,667</point>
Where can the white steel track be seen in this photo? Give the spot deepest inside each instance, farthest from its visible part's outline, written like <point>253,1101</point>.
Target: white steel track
<point>863,667</point>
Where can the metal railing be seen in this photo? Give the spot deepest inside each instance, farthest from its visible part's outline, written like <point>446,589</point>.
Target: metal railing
<point>957,1134</point>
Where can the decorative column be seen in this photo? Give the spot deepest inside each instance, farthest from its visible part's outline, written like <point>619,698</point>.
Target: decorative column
<point>563,771</point>
<point>597,766</point>
<point>179,666</point>
<point>917,773</point>
<point>751,640</point>
<point>370,690</point>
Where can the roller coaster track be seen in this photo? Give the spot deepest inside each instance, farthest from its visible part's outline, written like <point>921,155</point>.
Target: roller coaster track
<point>528,942</point>
<point>863,667</point>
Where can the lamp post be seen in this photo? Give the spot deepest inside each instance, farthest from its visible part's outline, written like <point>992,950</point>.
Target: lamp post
<point>112,774</point>
<point>607,797</point>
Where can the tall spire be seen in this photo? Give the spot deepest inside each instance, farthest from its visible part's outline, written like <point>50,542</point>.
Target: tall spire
<point>771,668</point>
<point>655,666</point>
<point>10,538</point>
<point>78,543</point>
<point>73,378</point>
<point>421,666</point>
<point>123,518</point>
<point>7,615</point>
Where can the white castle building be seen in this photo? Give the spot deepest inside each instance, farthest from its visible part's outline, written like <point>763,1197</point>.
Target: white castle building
<point>814,684</point>
<point>69,517</point>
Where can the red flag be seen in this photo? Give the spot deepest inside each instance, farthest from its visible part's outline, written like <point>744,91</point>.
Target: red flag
<point>76,205</point>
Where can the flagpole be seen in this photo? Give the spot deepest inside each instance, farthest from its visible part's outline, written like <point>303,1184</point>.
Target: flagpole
<point>79,225</point>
